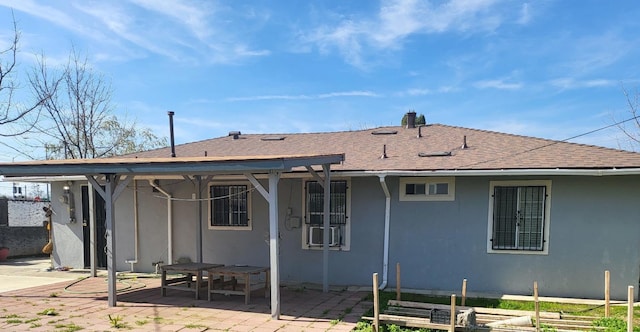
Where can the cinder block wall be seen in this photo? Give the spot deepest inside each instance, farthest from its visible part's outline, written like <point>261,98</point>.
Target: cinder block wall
<point>23,241</point>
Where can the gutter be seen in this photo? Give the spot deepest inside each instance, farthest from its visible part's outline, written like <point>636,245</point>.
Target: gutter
<point>387,219</point>
<point>169,221</point>
<point>499,172</point>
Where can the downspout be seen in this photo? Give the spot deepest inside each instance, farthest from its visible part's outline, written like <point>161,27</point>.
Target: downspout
<point>387,218</point>
<point>169,221</point>
<point>135,226</point>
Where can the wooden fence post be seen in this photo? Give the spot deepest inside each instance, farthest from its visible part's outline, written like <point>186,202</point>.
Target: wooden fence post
<point>376,304</point>
<point>630,309</point>
<point>463,300</point>
<point>397,281</point>
<point>453,313</point>
<point>537,305</point>
<point>607,293</point>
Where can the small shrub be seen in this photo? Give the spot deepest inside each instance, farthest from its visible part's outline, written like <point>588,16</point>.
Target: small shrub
<point>116,322</point>
<point>48,312</point>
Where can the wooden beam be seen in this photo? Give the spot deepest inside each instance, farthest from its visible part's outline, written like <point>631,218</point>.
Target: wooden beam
<point>257,185</point>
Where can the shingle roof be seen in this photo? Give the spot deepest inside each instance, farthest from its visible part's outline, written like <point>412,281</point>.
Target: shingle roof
<point>363,149</point>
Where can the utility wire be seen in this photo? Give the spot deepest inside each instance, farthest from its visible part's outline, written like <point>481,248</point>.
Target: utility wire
<point>554,142</point>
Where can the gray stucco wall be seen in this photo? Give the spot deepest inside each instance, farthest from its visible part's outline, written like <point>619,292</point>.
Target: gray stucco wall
<point>594,225</point>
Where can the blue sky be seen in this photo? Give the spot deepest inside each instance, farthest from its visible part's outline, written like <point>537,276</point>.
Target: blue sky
<point>544,68</point>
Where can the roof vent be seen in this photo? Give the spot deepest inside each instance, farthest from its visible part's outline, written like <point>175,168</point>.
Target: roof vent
<point>236,134</point>
<point>464,143</point>
<point>419,131</point>
<point>384,132</point>
<point>273,138</point>
<point>384,152</point>
<point>435,154</point>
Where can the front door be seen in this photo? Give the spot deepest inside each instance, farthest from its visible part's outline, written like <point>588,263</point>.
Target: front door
<point>100,217</point>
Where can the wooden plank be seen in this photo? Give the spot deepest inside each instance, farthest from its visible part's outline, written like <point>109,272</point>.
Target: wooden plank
<point>376,304</point>
<point>506,312</point>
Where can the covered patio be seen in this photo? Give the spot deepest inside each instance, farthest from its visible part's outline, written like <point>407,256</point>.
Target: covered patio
<point>83,303</point>
<point>109,178</point>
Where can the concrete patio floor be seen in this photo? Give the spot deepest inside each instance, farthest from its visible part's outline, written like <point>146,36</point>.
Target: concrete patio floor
<point>83,303</point>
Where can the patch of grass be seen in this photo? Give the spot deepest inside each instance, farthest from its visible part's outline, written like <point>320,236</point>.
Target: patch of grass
<point>158,319</point>
<point>196,326</point>
<point>71,327</point>
<point>49,312</point>
<point>34,325</point>
<point>612,324</point>
<point>117,322</point>
<point>32,320</point>
<point>334,322</point>
<point>141,322</point>
<point>12,316</point>
<point>14,321</point>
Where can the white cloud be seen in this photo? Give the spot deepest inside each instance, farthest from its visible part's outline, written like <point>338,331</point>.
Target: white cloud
<point>567,83</point>
<point>368,94</point>
<point>497,84</point>
<point>398,19</point>
<point>525,14</point>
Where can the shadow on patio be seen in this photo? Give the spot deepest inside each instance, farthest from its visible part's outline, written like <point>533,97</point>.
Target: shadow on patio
<point>83,303</point>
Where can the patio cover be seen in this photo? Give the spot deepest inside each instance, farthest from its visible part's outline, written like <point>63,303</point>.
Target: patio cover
<point>118,173</point>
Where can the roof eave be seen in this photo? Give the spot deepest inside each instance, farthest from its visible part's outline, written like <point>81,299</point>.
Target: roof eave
<point>498,172</point>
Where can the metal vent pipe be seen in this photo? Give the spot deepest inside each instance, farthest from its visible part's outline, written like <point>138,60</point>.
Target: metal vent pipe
<point>173,144</point>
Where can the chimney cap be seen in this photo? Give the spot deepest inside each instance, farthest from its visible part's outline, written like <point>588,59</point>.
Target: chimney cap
<point>411,119</point>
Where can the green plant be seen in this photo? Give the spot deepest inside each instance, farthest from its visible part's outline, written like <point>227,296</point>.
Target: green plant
<point>48,312</point>
<point>71,327</point>
<point>116,322</point>
<point>14,321</point>
<point>612,324</point>
<point>196,326</point>
<point>141,322</point>
<point>334,322</point>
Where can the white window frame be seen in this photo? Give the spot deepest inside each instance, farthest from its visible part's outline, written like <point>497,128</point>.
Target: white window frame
<point>346,246</point>
<point>547,216</point>
<point>427,181</point>
<point>249,206</point>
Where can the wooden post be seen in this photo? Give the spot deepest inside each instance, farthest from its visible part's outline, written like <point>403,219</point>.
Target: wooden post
<point>607,293</point>
<point>453,313</point>
<point>398,282</point>
<point>537,305</point>
<point>376,304</point>
<point>630,309</point>
<point>464,292</point>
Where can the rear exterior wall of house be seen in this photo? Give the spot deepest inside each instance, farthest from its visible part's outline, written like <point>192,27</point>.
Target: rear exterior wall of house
<point>593,226</point>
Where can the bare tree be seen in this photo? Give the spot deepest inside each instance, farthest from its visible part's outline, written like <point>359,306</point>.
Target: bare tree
<point>13,113</point>
<point>631,126</point>
<point>77,119</point>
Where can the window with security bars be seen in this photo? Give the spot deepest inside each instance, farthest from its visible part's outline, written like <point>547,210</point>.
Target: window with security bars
<point>229,206</point>
<point>518,218</point>
<point>337,205</point>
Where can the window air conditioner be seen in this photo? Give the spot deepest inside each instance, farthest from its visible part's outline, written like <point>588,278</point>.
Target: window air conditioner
<point>316,236</point>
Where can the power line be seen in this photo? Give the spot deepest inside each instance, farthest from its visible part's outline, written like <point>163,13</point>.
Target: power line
<point>554,142</point>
